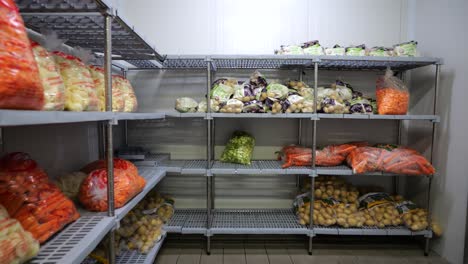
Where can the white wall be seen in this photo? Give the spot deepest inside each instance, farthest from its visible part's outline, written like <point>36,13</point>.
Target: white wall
<point>440,28</point>
<point>261,26</point>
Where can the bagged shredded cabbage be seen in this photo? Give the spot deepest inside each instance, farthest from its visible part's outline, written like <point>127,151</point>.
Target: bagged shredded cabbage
<point>253,106</point>
<point>337,50</point>
<point>54,89</point>
<point>244,92</point>
<point>186,105</point>
<point>361,106</point>
<point>312,48</point>
<point>406,49</point>
<point>129,97</point>
<point>202,106</point>
<point>80,93</point>
<point>69,183</point>
<point>239,148</point>
<point>289,50</point>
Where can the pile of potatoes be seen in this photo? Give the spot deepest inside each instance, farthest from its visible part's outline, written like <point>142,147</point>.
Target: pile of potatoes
<point>348,215</point>
<point>385,215</point>
<point>416,220</point>
<point>324,214</point>
<point>232,106</point>
<point>338,189</point>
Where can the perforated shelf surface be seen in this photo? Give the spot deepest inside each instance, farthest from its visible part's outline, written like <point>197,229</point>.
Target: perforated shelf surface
<point>370,231</point>
<point>345,170</point>
<point>134,257</point>
<point>187,221</point>
<point>76,241</point>
<point>256,221</point>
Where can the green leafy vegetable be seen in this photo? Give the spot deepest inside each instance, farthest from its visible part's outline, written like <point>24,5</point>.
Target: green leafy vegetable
<point>239,148</point>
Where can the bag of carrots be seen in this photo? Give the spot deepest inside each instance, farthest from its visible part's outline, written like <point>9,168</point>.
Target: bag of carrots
<point>392,95</point>
<point>389,158</point>
<point>31,198</point>
<point>93,190</point>
<point>20,84</point>
<point>331,155</point>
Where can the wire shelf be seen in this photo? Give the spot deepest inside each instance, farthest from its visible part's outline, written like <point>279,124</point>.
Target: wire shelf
<point>187,221</point>
<point>76,241</point>
<point>134,257</point>
<point>256,221</point>
<point>345,170</point>
<point>369,231</point>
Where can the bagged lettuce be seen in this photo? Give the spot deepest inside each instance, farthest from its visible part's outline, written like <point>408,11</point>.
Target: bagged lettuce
<point>406,49</point>
<point>337,50</point>
<point>359,50</point>
<point>243,92</point>
<point>381,51</point>
<point>186,105</point>
<point>289,50</point>
<point>239,148</point>
<point>222,92</point>
<point>312,48</point>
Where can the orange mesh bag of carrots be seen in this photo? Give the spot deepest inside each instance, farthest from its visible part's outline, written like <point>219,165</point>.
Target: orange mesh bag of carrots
<point>392,95</point>
<point>31,198</point>
<point>389,158</point>
<point>295,156</point>
<point>93,189</point>
<point>20,84</point>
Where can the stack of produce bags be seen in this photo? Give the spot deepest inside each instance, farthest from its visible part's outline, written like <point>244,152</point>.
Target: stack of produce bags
<point>405,49</point>
<point>93,189</point>
<point>16,245</point>
<point>338,203</point>
<point>31,198</point>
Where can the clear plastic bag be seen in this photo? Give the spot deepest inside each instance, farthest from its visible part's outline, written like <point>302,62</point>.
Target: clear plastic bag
<point>392,95</point>
<point>32,199</point>
<point>69,183</point>
<point>312,48</point>
<point>347,215</point>
<point>337,50</point>
<point>406,49</point>
<point>336,188</point>
<point>54,88</point>
<point>231,106</point>
<point>413,217</point>
<point>118,103</point>
<point>389,158</point>
<point>93,189</point>
<point>80,92</point>
<point>381,207</point>
<point>20,83</point>
<point>16,245</point>
<point>239,148</point>
<point>131,102</point>
<point>187,105</point>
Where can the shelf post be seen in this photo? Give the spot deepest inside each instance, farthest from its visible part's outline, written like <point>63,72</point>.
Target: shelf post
<point>314,148</point>
<point>109,139</point>
<point>209,178</point>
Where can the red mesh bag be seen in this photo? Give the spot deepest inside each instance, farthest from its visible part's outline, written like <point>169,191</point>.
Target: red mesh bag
<point>28,196</point>
<point>93,190</point>
<point>389,158</point>
<point>20,84</point>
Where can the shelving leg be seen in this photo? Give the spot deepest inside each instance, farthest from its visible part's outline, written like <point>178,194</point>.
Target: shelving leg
<point>311,222</point>
<point>109,138</point>
<point>314,147</point>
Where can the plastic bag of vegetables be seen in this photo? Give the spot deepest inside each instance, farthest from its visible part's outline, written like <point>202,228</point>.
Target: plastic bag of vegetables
<point>289,50</point>
<point>381,51</point>
<point>337,50</point>
<point>406,49</point>
<point>307,106</point>
<point>223,89</point>
<point>359,50</point>
<point>324,212</point>
<point>347,215</point>
<point>54,89</point>
<point>334,106</point>
<point>294,104</point>
<point>361,106</point>
<point>243,92</point>
<point>186,105</point>
<point>381,207</point>
<point>392,95</point>
<point>253,106</point>
<point>413,217</point>
<point>257,81</point>
<point>389,158</point>
<point>277,91</point>
<point>336,188</point>
<point>239,148</point>
<point>232,106</point>
<point>312,48</point>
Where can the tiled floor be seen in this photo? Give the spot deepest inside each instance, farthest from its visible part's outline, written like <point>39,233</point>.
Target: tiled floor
<point>190,250</point>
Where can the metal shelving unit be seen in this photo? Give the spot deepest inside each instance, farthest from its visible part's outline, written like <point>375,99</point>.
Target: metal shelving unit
<point>134,257</point>
<point>76,241</point>
<point>95,25</point>
<point>280,221</point>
